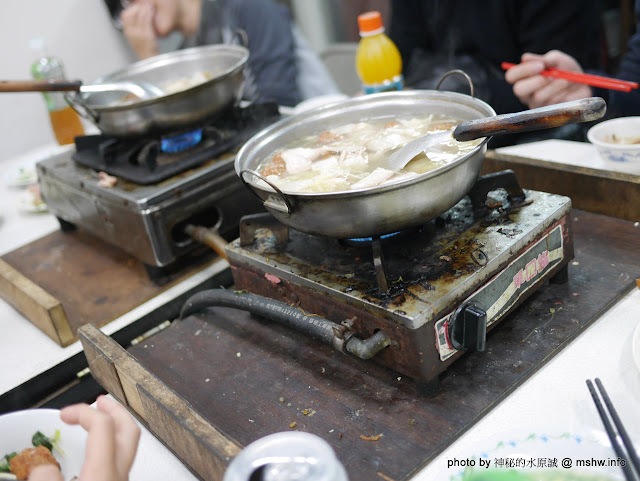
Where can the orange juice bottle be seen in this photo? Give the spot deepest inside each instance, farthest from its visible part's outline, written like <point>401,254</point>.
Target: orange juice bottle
<point>64,120</point>
<point>378,60</point>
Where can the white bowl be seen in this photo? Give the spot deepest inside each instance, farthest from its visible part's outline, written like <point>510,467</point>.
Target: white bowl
<point>603,136</point>
<point>18,427</point>
<point>321,101</point>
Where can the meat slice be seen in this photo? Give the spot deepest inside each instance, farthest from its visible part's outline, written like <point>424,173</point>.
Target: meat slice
<point>22,464</point>
<point>299,159</point>
<point>377,177</point>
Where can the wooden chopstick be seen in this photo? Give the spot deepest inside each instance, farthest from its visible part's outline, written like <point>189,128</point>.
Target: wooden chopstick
<point>584,78</point>
<point>631,468</point>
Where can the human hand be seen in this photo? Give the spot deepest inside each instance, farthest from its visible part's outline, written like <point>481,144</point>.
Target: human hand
<point>138,28</point>
<point>112,442</point>
<point>535,90</point>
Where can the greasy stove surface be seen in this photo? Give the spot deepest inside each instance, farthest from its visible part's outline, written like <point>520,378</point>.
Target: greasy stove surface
<point>62,170</point>
<point>429,270</point>
<point>250,378</point>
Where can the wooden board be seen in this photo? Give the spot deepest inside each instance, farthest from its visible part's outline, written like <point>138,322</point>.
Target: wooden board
<point>65,280</point>
<point>247,378</point>
<point>610,193</point>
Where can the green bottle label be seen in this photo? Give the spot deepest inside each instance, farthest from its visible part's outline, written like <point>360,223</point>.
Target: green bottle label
<point>50,68</point>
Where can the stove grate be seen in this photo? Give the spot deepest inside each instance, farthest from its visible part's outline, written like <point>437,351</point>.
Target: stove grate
<point>144,161</point>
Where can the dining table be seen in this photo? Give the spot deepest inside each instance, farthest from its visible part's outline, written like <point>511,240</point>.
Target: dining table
<point>553,403</point>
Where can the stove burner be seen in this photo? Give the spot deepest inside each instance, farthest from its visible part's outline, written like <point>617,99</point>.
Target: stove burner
<point>151,159</point>
<point>181,142</point>
<point>361,241</point>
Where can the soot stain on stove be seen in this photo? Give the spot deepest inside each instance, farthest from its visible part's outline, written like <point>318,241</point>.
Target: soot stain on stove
<point>449,246</point>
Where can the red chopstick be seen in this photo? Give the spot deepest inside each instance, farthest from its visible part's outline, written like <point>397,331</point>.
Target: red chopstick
<point>584,78</point>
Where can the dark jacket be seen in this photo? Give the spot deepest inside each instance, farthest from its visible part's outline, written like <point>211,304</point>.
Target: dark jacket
<point>624,104</point>
<point>271,72</point>
<point>435,36</point>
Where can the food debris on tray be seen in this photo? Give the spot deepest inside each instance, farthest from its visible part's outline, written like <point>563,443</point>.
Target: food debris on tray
<point>107,181</point>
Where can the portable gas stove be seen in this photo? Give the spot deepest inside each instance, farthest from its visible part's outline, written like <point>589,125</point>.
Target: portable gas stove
<point>164,184</point>
<point>413,301</point>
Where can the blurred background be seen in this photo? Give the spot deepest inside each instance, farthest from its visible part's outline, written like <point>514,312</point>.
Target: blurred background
<point>84,35</point>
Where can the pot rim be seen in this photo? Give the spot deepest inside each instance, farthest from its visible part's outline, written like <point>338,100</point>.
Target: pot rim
<point>238,51</point>
<point>320,113</point>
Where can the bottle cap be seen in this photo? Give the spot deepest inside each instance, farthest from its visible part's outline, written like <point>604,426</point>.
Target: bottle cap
<point>370,21</point>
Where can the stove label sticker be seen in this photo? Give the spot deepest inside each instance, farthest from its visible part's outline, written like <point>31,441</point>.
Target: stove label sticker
<point>503,291</point>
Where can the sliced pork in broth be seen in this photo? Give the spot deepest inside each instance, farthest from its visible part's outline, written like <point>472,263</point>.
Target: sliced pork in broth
<point>355,156</point>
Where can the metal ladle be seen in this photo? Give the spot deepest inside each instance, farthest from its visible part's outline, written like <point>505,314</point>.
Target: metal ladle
<point>141,90</point>
<point>556,115</point>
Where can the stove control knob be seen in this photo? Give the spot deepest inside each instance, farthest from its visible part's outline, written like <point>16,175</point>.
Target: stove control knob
<point>468,327</point>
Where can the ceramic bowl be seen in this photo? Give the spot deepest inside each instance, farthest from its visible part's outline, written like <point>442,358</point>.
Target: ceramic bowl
<point>617,139</point>
<point>18,427</point>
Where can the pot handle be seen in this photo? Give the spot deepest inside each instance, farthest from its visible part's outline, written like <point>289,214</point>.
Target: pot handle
<point>457,72</point>
<point>53,85</point>
<point>273,201</point>
<point>82,109</point>
<point>242,36</point>
<point>556,115</point>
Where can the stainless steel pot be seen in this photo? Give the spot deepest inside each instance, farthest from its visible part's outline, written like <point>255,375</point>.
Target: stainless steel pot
<point>224,63</point>
<point>383,209</point>
<point>387,208</point>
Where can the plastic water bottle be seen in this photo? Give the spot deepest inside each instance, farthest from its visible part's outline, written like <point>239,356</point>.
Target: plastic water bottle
<point>287,456</point>
<point>64,120</point>
<point>378,61</point>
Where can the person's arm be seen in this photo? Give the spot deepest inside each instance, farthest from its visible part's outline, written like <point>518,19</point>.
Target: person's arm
<point>112,442</point>
<point>272,62</point>
<point>137,27</point>
<point>542,26</point>
<point>535,90</point>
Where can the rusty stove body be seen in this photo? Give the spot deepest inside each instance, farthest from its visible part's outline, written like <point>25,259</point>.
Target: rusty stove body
<point>434,291</point>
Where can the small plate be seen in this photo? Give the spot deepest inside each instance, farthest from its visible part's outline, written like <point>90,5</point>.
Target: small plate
<point>23,172</point>
<point>21,176</point>
<point>18,427</point>
<point>29,203</point>
<point>543,455</point>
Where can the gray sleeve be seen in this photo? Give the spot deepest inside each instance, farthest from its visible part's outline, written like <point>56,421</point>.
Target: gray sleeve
<point>272,59</point>
<point>314,79</point>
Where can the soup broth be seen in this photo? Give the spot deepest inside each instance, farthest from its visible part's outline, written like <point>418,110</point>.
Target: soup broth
<point>355,156</point>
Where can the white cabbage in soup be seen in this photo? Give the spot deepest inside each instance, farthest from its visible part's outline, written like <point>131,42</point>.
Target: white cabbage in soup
<point>355,156</point>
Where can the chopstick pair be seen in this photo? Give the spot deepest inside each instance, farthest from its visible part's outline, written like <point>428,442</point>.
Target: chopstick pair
<point>584,78</point>
<point>626,450</point>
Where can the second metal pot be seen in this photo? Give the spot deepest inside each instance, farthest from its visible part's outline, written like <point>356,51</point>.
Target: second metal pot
<point>223,63</point>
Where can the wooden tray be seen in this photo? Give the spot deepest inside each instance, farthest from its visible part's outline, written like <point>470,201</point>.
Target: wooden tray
<point>615,194</point>
<point>219,380</point>
<point>65,280</point>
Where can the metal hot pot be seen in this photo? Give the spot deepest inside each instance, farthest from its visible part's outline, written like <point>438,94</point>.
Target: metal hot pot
<point>386,208</point>
<point>223,63</point>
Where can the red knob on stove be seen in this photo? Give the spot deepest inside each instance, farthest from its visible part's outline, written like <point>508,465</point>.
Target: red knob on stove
<point>468,327</point>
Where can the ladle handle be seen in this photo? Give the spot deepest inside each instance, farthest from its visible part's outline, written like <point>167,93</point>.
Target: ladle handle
<point>557,115</point>
<point>40,85</point>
